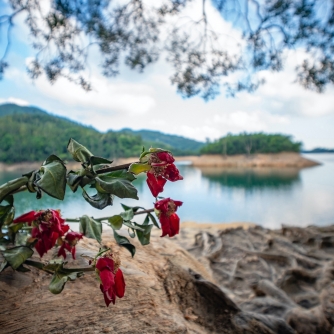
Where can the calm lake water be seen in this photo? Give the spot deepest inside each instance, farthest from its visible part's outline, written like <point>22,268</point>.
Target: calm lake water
<point>266,196</point>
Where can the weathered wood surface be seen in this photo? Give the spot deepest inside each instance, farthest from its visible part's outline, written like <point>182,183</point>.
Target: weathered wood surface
<point>231,281</point>
<point>286,274</point>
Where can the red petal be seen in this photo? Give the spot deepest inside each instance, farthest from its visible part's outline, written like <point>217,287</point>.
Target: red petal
<point>64,229</point>
<point>165,224</point>
<point>107,279</point>
<point>73,252</point>
<point>27,217</point>
<point>107,300</point>
<point>162,205</point>
<point>156,184</point>
<point>178,203</point>
<point>165,156</point>
<point>105,263</point>
<point>174,224</point>
<point>40,248</point>
<point>171,173</point>
<point>119,284</point>
<point>111,295</point>
<point>70,236</point>
<point>61,251</point>
<point>35,233</point>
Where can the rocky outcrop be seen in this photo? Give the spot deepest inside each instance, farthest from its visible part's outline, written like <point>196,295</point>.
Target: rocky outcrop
<point>203,281</point>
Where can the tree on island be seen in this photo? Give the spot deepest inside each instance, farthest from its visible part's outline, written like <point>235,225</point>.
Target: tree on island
<point>137,32</point>
<point>250,143</point>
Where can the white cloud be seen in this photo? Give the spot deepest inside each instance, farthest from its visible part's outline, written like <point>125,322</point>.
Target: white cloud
<point>107,96</point>
<point>18,101</point>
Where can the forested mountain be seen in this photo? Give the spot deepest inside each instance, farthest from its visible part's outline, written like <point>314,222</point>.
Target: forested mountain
<point>31,134</point>
<point>178,144</point>
<point>250,143</point>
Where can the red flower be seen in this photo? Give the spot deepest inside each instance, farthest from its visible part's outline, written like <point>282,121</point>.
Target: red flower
<point>71,239</point>
<point>112,280</point>
<point>48,227</point>
<point>162,169</point>
<point>170,221</point>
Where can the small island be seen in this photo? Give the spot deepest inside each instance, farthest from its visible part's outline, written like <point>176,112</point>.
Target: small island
<point>247,150</point>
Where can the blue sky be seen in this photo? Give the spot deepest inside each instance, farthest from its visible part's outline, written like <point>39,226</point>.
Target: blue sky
<point>149,101</point>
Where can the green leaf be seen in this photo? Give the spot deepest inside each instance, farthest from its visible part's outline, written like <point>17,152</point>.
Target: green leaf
<point>144,234</point>
<point>117,174</point>
<point>116,222</point>
<point>125,207</point>
<point>17,255</point>
<point>134,208</point>
<point>147,220</point>
<point>73,180</point>
<point>99,200</point>
<point>127,215</point>
<point>61,274</point>
<point>131,232</point>
<point>59,280</point>
<point>120,187</point>
<point>22,269</point>
<point>6,215</point>
<point>52,177</point>
<point>134,227</point>
<point>21,239</point>
<point>90,228</point>
<point>15,227</point>
<point>79,152</point>
<point>31,180</point>
<point>137,168</point>
<point>3,265</point>
<point>98,160</point>
<point>9,199</point>
<point>3,243</point>
<point>124,242</point>
<point>154,221</point>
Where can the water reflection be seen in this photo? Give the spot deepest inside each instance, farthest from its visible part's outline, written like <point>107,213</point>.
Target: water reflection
<point>252,178</point>
<point>266,196</point>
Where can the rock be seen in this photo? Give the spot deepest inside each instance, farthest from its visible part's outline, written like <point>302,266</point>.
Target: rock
<point>229,281</point>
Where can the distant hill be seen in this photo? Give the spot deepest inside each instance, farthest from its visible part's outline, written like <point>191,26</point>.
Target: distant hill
<point>178,144</point>
<point>14,109</point>
<point>320,150</point>
<point>31,134</point>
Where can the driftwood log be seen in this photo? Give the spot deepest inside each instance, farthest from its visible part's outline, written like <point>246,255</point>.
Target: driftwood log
<point>204,281</point>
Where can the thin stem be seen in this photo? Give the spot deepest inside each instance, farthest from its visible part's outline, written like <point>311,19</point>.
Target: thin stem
<point>144,211</point>
<point>12,186</point>
<point>24,188</point>
<point>111,169</point>
<point>77,220</point>
<point>41,266</point>
<point>101,252</point>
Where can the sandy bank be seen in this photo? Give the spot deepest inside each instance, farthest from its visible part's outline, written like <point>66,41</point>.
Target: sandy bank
<point>285,159</point>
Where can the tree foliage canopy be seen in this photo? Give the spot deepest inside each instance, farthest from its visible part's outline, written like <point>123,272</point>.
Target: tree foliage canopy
<point>250,143</point>
<point>137,32</point>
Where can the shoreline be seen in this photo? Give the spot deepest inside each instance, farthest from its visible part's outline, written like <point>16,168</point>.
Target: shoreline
<point>280,160</point>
